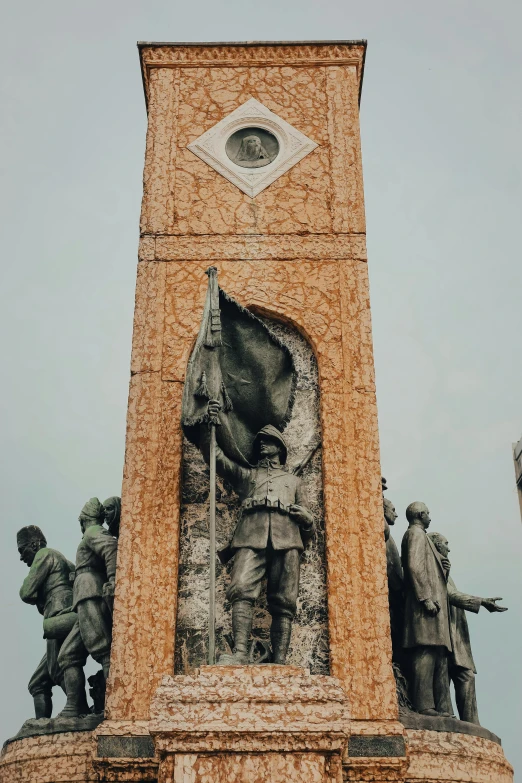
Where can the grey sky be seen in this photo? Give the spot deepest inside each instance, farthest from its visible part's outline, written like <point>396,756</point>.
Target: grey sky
<point>441,128</point>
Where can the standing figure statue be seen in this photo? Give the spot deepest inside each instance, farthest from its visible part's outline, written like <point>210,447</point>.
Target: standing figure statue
<point>460,666</point>
<point>112,514</point>
<point>92,632</point>
<point>49,587</point>
<point>426,614</point>
<point>273,528</point>
<point>395,583</point>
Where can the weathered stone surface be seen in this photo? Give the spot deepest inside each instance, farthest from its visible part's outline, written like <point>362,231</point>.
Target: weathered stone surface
<point>260,723</point>
<point>55,758</point>
<point>455,758</point>
<point>145,600</point>
<point>183,195</point>
<point>257,247</point>
<point>314,278</point>
<point>309,646</point>
<point>250,701</point>
<point>147,339</point>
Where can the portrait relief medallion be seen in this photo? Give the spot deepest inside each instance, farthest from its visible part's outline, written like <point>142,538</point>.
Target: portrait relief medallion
<point>252,148</point>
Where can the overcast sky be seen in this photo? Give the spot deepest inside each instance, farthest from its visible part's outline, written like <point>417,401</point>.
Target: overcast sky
<point>441,136</point>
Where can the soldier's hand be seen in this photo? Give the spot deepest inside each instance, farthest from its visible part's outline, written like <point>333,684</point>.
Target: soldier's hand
<point>214,406</point>
<point>108,590</point>
<point>431,607</point>
<point>491,606</point>
<point>300,515</point>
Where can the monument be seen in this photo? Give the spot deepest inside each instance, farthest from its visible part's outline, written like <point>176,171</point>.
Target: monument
<point>248,617</point>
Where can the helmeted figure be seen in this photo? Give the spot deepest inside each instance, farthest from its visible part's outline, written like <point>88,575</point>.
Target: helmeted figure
<point>92,632</point>
<point>49,587</point>
<point>426,613</point>
<point>273,528</point>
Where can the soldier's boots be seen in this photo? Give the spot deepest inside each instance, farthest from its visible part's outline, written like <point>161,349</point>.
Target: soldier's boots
<point>242,614</point>
<point>76,703</point>
<point>43,705</point>
<point>280,634</point>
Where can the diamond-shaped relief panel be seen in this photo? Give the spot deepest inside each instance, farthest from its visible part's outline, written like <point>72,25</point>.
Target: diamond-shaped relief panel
<point>252,147</point>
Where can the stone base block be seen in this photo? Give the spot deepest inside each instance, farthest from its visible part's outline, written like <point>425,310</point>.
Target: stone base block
<point>444,757</point>
<point>250,724</point>
<point>51,758</point>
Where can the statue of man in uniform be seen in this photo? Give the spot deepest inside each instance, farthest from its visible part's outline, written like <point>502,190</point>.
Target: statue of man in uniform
<point>273,528</point>
<point>92,632</point>
<point>48,586</point>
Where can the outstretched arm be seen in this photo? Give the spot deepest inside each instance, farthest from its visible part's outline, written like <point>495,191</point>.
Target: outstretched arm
<point>472,603</point>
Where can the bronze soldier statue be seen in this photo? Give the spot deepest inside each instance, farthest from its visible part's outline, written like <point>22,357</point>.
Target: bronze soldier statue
<point>459,665</point>
<point>92,632</point>
<point>48,586</point>
<point>273,529</point>
<point>426,613</point>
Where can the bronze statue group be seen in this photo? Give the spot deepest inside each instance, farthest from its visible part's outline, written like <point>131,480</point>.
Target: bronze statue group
<point>429,631</point>
<point>76,602</point>
<point>430,637</point>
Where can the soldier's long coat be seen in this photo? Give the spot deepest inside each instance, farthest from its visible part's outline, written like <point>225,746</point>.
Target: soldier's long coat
<point>424,577</point>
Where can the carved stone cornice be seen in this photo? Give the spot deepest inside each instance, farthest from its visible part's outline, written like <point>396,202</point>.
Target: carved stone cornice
<point>257,54</point>
<point>287,247</point>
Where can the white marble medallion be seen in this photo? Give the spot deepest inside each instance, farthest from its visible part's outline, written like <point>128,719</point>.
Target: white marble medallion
<point>252,147</point>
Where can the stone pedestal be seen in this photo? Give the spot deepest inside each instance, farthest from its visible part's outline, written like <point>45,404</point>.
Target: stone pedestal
<point>250,724</point>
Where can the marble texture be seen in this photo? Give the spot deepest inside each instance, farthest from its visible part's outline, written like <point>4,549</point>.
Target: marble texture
<point>55,758</point>
<point>437,757</point>
<point>296,254</point>
<point>309,646</point>
<point>250,723</point>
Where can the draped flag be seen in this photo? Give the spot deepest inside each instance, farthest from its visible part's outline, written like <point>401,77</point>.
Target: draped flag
<point>239,362</point>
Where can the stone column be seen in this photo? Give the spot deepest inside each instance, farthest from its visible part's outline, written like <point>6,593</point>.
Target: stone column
<point>295,252</point>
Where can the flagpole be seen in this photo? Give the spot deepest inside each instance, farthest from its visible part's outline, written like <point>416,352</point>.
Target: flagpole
<point>212,527</point>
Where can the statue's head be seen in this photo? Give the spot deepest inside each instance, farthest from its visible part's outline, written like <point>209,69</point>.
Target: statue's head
<point>29,540</point>
<point>390,515</point>
<point>441,543</point>
<point>92,513</point>
<point>418,513</point>
<point>112,515</point>
<point>269,443</point>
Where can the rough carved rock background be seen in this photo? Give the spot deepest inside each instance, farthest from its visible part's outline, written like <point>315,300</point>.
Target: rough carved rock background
<point>309,647</point>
